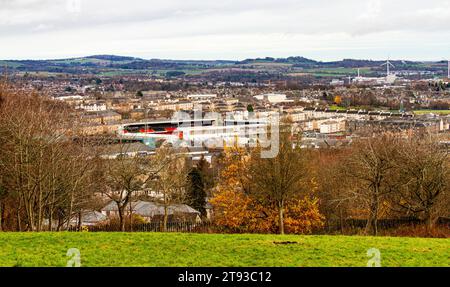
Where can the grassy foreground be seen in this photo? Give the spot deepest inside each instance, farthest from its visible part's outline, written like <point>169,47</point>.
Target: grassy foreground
<point>173,249</point>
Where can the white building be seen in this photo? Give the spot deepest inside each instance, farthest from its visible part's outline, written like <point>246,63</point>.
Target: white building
<point>337,82</point>
<point>68,98</point>
<point>273,98</point>
<point>296,117</point>
<point>202,96</point>
<point>333,126</point>
<point>175,106</point>
<point>95,107</point>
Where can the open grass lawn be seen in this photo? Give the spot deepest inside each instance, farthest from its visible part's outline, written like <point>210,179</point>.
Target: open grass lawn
<point>173,249</point>
<point>336,108</point>
<point>439,112</point>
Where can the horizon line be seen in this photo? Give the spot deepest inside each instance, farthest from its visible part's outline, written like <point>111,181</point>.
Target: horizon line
<point>218,59</point>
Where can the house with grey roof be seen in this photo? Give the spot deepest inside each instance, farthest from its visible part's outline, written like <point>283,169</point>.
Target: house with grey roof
<point>154,211</point>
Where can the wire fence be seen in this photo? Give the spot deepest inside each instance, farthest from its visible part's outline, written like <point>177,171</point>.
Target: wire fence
<point>187,227</point>
<point>346,226</point>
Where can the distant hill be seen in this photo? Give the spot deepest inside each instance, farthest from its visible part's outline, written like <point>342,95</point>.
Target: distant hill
<point>290,60</point>
<point>107,63</point>
<point>113,58</point>
<point>111,65</point>
<point>308,63</point>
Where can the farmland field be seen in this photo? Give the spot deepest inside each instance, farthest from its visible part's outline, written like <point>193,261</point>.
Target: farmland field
<point>174,249</point>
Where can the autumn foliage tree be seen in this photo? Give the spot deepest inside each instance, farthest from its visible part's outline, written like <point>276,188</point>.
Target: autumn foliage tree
<point>255,195</point>
<point>231,202</point>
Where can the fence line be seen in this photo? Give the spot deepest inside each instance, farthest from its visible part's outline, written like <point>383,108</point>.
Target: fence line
<point>188,227</point>
<point>383,224</point>
<point>331,226</point>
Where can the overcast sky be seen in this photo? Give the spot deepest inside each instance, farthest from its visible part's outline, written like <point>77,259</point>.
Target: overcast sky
<point>226,29</point>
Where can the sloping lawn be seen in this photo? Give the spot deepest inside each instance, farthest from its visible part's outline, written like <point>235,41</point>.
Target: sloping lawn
<point>174,249</point>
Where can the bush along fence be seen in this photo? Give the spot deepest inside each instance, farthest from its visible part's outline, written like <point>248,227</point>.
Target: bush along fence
<point>349,225</point>
<point>192,227</point>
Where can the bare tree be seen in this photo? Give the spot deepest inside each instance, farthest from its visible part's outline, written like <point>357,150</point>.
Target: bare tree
<point>124,176</point>
<point>372,170</point>
<point>38,156</point>
<point>336,203</point>
<point>171,179</point>
<point>424,175</point>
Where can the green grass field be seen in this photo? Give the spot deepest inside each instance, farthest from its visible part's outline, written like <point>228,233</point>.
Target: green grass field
<point>10,64</point>
<point>438,112</point>
<point>336,72</point>
<point>336,108</point>
<point>160,249</point>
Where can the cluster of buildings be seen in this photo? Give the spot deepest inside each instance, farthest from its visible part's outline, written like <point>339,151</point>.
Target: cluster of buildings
<point>149,117</point>
<point>217,118</point>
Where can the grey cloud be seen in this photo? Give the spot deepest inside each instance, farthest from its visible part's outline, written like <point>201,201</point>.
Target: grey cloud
<point>180,21</point>
<point>285,16</point>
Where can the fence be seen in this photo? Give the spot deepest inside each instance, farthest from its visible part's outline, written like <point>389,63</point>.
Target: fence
<point>190,227</point>
<point>331,226</point>
<point>349,225</point>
